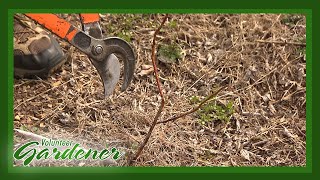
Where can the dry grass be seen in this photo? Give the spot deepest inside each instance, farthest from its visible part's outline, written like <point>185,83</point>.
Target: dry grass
<point>268,88</point>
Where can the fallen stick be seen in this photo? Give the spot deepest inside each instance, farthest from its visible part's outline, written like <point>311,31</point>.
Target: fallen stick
<point>282,42</point>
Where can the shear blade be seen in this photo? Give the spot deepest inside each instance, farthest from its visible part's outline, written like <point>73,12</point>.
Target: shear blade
<point>121,47</point>
<point>109,71</point>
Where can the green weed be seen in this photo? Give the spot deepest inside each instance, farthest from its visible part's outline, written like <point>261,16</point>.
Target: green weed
<point>291,19</point>
<point>173,24</point>
<point>169,52</point>
<point>125,35</point>
<point>213,111</point>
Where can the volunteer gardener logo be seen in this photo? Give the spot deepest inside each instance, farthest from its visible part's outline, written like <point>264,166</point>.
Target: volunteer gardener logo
<point>61,150</point>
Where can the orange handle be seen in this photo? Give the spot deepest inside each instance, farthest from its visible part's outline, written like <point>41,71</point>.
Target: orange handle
<point>58,26</point>
<point>89,18</point>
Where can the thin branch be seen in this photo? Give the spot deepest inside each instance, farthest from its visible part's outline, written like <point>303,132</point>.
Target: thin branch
<point>194,109</point>
<point>282,42</point>
<point>155,119</point>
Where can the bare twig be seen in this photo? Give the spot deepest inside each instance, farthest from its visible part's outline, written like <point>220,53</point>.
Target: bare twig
<point>155,119</point>
<point>30,135</point>
<point>194,109</point>
<point>282,42</point>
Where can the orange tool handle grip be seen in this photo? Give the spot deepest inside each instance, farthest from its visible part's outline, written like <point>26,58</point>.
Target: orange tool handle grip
<point>58,26</point>
<point>89,18</point>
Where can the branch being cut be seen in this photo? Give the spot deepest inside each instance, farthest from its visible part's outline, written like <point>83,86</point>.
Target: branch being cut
<point>155,119</point>
<point>160,109</point>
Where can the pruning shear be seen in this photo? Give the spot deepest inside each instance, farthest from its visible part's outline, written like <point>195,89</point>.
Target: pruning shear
<point>100,50</point>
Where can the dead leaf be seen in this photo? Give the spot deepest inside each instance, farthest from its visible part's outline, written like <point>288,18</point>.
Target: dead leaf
<point>146,70</point>
<point>272,109</point>
<point>17,117</point>
<point>209,58</point>
<point>146,66</point>
<point>287,133</point>
<point>238,124</point>
<point>42,125</point>
<point>82,164</point>
<point>266,97</point>
<point>245,154</point>
<point>29,121</point>
<point>56,84</point>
